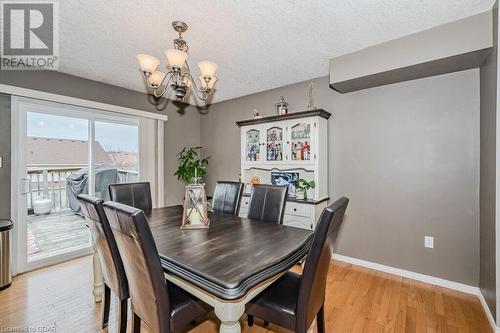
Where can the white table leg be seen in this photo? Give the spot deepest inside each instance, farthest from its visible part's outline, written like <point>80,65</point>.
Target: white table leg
<point>228,312</point>
<point>229,315</point>
<point>98,287</point>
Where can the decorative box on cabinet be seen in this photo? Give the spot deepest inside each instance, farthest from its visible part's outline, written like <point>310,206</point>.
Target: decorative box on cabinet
<point>297,142</point>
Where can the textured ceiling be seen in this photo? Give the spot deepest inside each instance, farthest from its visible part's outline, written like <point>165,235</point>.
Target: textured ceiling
<point>258,44</point>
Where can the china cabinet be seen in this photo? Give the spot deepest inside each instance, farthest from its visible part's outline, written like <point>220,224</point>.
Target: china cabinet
<point>295,144</point>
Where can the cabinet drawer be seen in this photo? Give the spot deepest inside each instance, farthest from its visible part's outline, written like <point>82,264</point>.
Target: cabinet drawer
<point>243,212</point>
<point>298,222</point>
<point>297,209</point>
<point>244,202</point>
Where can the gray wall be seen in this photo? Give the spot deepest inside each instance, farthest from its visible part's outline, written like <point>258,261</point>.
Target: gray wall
<point>5,154</point>
<point>487,193</point>
<point>447,48</point>
<point>181,129</point>
<point>407,155</point>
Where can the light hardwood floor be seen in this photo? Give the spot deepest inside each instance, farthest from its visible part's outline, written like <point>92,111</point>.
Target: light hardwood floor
<point>358,300</point>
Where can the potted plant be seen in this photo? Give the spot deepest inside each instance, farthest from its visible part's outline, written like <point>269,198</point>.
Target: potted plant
<point>191,167</point>
<point>302,186</point>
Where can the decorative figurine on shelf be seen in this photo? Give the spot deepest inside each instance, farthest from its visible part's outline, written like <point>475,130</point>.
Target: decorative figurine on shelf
<point>310,105</point>
<point>281,106</point>
<point>254,180</point>
<point>256,114</point>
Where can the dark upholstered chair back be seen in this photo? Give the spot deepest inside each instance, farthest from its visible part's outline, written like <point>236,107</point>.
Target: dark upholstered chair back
<point>148,287</point>
<point>227,197</point>
<point>312,288</point>
<point>105,245</point>
<point>267,203</point>
<point>137,195</point>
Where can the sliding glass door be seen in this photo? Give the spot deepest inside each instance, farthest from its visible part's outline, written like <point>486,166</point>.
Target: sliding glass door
<point>56,150</point>
<point>116,155</point>
<point>62,152</point>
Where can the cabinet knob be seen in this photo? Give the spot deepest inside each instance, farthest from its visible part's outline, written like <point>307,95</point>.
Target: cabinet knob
<point>295,209</point>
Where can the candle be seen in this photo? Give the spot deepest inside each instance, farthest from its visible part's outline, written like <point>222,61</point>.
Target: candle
<point>196,216</point>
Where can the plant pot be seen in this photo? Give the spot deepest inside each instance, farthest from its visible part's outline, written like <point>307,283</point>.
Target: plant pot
<point>196,181</point>
<point>300,195</point>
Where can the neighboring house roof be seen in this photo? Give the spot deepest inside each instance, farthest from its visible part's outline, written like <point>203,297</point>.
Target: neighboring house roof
<point>63,152</point>
<point>123,158</point>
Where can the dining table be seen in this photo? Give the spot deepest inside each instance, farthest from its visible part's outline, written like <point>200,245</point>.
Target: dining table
<point>225,265</point>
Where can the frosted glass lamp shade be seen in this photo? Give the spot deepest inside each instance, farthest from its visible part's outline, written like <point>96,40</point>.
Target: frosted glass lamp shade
<point>207,68</point>
<point>156,78</point>
<point>148,63</point>
<point>175,57</point>
<point>211,83</point>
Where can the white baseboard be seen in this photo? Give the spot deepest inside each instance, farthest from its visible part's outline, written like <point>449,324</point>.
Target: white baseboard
<point>423,278</point>
<point>495,328</point>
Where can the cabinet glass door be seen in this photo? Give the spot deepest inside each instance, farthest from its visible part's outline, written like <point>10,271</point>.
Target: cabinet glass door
<point>252,145</point>
<point>300,143</point>
<point>274,144</point>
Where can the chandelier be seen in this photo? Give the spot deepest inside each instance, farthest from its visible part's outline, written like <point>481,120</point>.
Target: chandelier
<point>178,78</point>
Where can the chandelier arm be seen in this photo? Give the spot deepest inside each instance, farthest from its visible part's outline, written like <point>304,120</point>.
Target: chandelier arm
<point>164,89</point>
<point>151,86</point>
<point>194,83</point>
<point>203,92</point>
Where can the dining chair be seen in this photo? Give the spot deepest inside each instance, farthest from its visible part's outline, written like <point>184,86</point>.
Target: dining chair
<point>111,263</point>
<point>137,195</point>
<point>267,203</point>
<point>163,306</point>
<point>227,197</point>
<point>294,300</point>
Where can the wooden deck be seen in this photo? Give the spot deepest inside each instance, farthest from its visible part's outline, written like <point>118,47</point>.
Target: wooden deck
<point>56,233</point>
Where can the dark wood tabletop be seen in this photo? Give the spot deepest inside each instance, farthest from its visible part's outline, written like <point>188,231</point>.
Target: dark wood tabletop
<point>229,258</point>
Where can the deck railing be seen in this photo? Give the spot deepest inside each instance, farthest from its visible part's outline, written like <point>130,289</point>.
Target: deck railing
<point>50,182</point>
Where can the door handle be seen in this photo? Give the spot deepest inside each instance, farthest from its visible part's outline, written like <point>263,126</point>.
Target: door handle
<point>24,182</point>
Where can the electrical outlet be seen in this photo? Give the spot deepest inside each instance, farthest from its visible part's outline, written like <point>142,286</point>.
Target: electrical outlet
<point>429,242</point>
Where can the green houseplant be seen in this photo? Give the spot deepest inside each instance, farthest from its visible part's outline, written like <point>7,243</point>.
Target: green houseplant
<point>302,186</point>
<point>191,166</point>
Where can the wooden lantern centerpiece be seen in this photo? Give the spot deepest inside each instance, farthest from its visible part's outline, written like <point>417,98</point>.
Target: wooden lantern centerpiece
<point>195,214</point>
